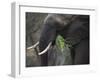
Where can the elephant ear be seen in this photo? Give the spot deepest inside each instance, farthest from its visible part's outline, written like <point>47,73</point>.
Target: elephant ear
<point>60,42</point>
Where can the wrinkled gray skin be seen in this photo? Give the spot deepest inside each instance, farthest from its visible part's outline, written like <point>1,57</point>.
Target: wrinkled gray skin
<point>74,28</point>
<point>57,57</point>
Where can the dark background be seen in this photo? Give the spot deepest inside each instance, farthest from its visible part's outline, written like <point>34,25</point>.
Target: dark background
<point>34,22</point>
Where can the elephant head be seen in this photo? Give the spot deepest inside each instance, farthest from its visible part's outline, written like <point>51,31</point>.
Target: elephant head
<point>52,26</point>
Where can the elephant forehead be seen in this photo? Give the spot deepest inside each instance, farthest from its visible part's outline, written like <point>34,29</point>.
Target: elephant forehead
<point>60,19</point>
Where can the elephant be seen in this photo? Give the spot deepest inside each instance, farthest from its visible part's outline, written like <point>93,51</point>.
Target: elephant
<point>73,28</point>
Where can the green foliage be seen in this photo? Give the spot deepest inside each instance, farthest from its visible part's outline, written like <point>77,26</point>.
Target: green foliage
<point>60,42</point>
<point>63,53</point>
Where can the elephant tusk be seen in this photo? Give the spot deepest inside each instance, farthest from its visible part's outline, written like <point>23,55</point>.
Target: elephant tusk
<point>46,49</point>
<point>33,45</point>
